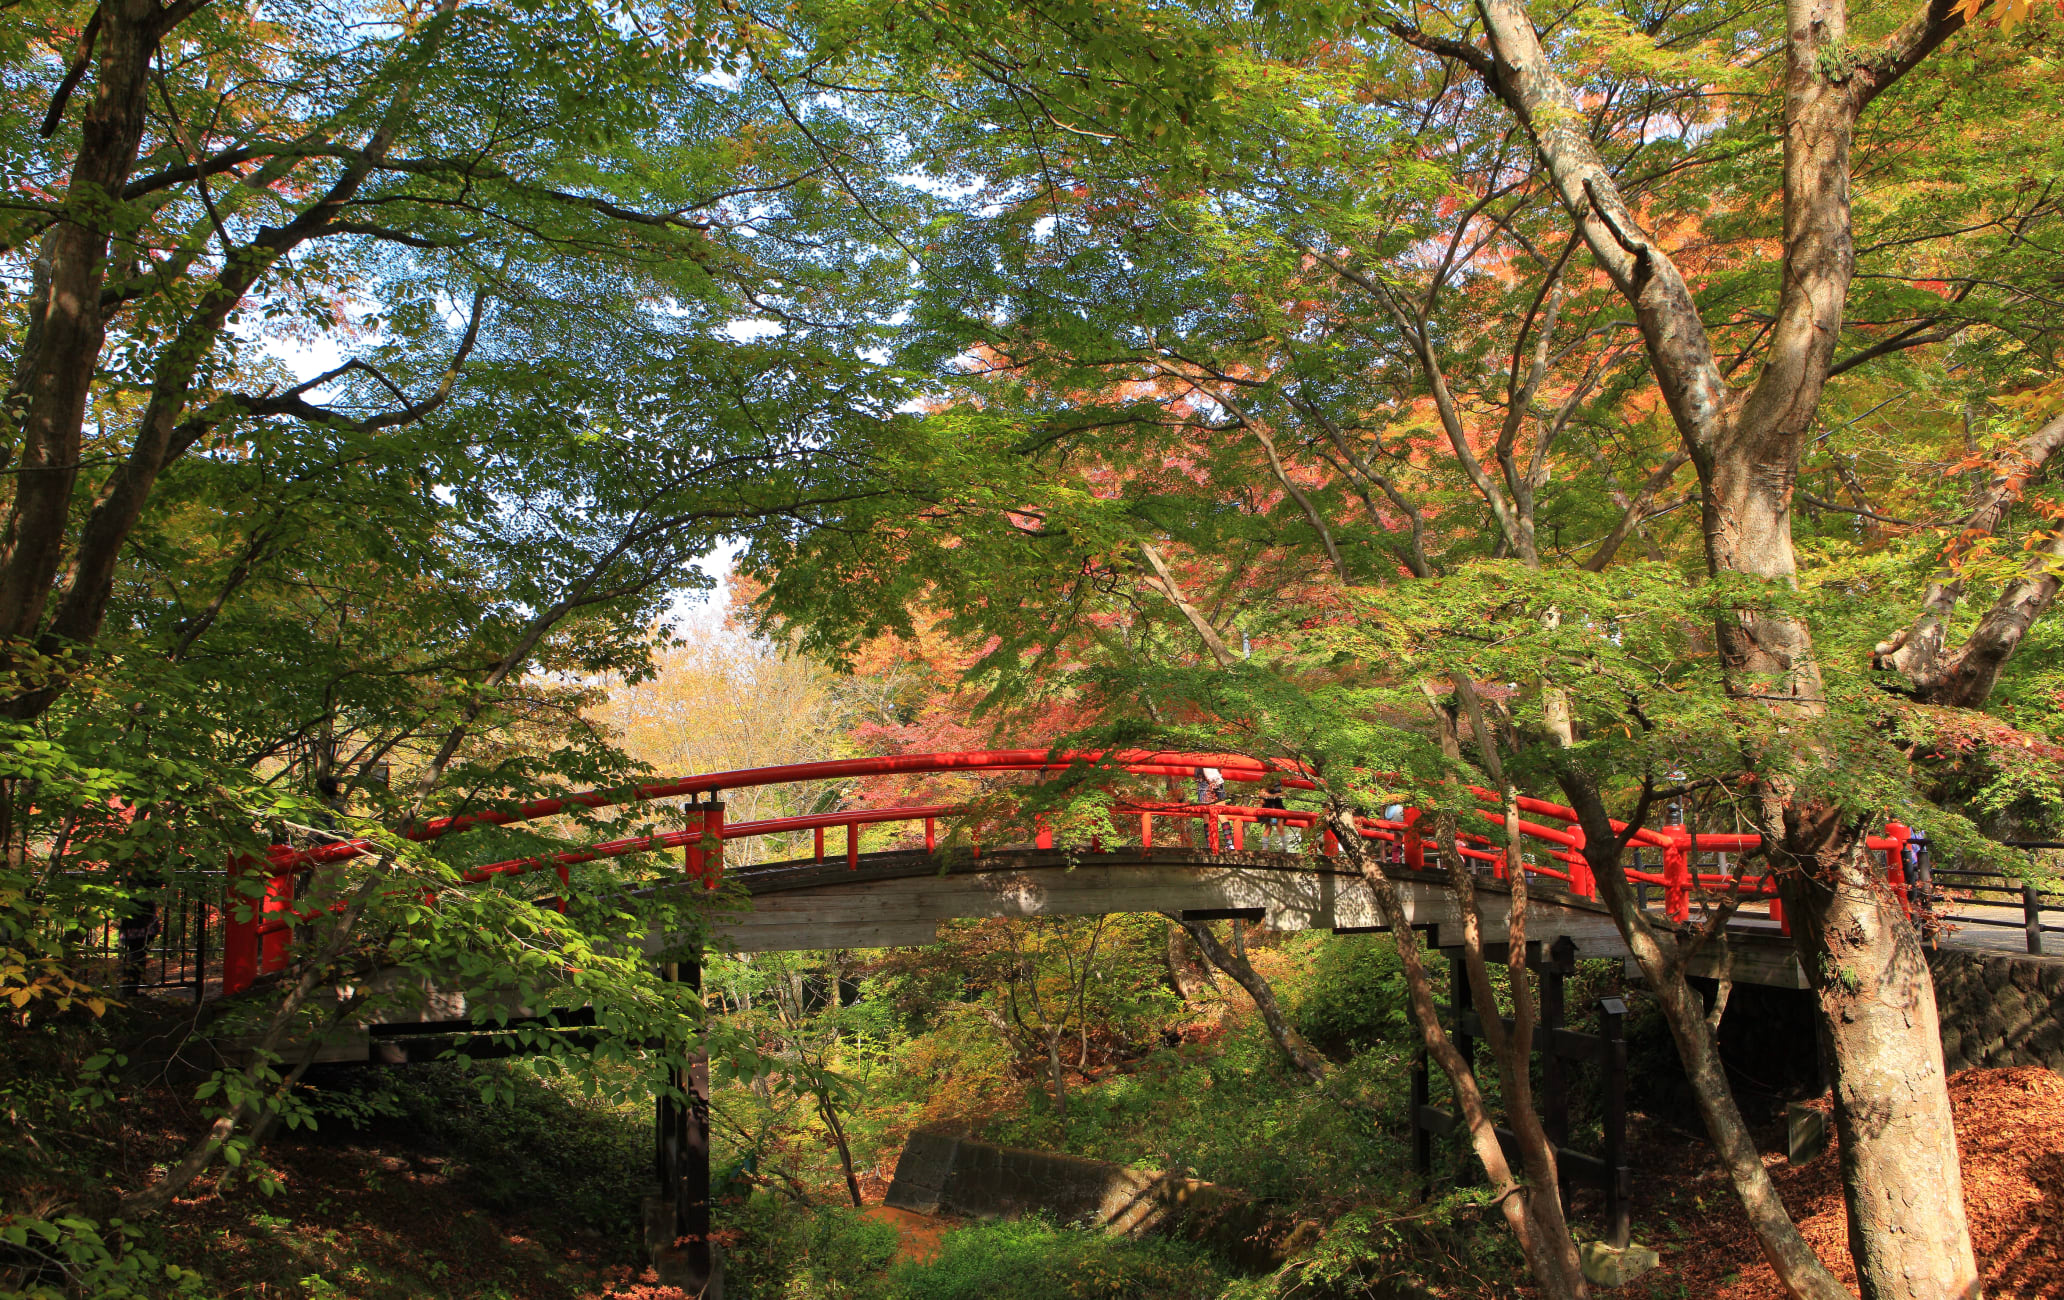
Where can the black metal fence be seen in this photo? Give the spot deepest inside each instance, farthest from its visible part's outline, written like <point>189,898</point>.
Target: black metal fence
<point>1952,891</point>
<point>162,937</point>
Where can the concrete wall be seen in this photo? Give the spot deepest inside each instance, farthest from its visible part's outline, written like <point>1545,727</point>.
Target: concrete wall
<point>1998,1009</point>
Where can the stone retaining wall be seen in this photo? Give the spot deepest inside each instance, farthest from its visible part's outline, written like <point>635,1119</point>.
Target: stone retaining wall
<point>1998,1009</point>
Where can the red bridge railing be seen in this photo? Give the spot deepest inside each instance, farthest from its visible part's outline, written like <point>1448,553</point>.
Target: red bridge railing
<point>260,923</point>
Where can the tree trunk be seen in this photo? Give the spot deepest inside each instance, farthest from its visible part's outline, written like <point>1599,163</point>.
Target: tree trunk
<point>1919,651</point>
<point>1966,679</point>
<point>1236,965</point>
<point>1901,1180</point>
<point>845,1150</point>
<point>1058,1074</point>
<point>1186,974</point>
<point>65,329</point>
<point>1747,452</point>
<point>1552,1262</point>
<point>1662,963</point>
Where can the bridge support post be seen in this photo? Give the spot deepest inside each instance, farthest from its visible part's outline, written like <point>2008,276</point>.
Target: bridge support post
<point>687,1259</point>
<point>1422,1130</point>
<point>704,855</point>
<point>1619,1177</point>
<point>1561,961</point>
<point>1463,1001</point>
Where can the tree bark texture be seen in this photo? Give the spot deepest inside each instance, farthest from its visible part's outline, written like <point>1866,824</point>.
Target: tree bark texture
<point>66,326</point>
<point>1902,1182</point>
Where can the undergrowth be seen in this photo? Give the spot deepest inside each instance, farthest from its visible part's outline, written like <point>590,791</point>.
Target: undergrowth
<point>784,1253</point>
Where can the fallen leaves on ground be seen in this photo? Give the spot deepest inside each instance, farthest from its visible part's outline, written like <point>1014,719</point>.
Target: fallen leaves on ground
<point>2010,1134</point>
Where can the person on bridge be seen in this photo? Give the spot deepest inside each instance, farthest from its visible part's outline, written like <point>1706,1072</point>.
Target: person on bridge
<point>1275,832</point>
<point>1210,785</point>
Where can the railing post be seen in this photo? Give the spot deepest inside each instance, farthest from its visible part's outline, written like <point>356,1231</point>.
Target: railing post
<point>713,825</point>
<point>1582,883</point>
<point>1330,845</point>
<point>2031,916</point>
<point>1211,830</point>
<point>1239,838</point>
<point>1415,850</point>
<point>820,838</point>
<point>852,846</point>
<point>1146,830</point>
<point>1895,863</point>
<point>273,944</point>
<point>1043,836</point>
<point>1677,878</point>
<point>931,838</point>
<point>693,857</point>
<point>706,853</point>
<point>1422,1136</point>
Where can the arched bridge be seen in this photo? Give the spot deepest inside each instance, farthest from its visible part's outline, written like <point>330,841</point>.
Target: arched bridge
<point>1277,866</point>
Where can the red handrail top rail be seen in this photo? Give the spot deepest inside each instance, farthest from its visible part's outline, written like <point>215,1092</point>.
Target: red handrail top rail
<point>852,817</point>
<point>1136,762</point>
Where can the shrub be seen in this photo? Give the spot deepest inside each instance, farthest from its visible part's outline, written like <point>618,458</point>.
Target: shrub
<point>1033,1259</point>
<point>777,1250</point>
<point>1352,996</point>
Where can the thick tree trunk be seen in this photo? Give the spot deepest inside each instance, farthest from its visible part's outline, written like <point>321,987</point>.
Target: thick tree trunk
<point>65,330</point>
<point>1901,1179</point>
